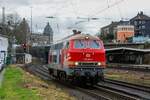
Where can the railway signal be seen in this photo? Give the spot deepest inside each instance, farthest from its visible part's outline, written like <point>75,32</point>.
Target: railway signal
<point>24,47</point>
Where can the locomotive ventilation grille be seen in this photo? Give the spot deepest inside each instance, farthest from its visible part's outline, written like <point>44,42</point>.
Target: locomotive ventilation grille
<point>88,64</point>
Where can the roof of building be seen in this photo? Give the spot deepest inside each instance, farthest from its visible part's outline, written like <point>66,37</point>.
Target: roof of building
<point>140,16</point>
<point>121,22</point>
<point>114,24</point>
<point>48,30</point>
<point>110,25</point>
<point>128,49</point>
<point>77,36</point>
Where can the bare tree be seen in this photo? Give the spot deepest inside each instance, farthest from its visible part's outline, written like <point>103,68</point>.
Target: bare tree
<point>23,32</point>
<point>13,19</point>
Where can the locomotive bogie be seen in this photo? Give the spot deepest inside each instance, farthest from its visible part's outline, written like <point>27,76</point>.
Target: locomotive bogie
<point>90,75</point>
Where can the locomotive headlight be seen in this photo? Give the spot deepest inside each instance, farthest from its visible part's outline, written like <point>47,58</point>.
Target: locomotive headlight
<point>99,64</point>
<point>76,63</point>
<point>86,37</point>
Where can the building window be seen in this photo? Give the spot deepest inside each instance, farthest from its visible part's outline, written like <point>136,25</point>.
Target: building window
<point>143,22</point>
<point>139,27</point>
<point>135,22</point>
<point>143,27</point>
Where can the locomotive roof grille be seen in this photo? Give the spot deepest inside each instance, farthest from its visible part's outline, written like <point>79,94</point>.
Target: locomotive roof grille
<point>76,37</point>
<point>84,36</point>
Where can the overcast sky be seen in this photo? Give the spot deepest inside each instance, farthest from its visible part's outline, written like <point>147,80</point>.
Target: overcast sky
<point>67,11</point>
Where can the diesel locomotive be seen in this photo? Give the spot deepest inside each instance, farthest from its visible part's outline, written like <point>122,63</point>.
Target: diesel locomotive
<point>79,57</point>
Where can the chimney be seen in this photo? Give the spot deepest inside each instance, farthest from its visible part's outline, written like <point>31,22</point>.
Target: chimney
<point>141,13</point>
<point>79,32</point>
<point>74,31</point>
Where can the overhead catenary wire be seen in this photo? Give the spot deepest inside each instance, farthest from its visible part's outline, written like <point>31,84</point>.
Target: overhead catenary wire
<point>102,10</point>
<point>89,18</point>
<point>58,25</point>
<point>74,10</point>
<point>120,13</point>
<point>108,3</point>
<point>108,7</point>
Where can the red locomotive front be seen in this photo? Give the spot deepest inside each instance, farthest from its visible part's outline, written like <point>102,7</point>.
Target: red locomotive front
<point>81,58</point>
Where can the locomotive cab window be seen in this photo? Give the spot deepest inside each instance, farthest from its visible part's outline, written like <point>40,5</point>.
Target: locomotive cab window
<point>94,44</point>
<point>79,44</point>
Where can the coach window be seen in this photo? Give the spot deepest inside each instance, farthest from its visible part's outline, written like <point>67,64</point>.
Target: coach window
<point>60,46</point>
<point>66,46</point>
<point>54,56</point>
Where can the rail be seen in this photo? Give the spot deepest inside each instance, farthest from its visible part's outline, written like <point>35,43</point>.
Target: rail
<point>133,67</point>
<point>107,90</point>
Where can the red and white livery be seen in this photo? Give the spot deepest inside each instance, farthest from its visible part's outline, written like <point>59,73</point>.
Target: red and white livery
<point>80,57</point>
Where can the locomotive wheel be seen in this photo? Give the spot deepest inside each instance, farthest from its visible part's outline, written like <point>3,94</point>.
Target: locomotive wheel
<point>50,71</point>
<point>82,81</point>
<point>102,78</point>
<point>92,82</point>
<point>62,76</point>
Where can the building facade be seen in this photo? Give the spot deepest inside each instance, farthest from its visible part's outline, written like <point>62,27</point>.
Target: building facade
<point>124,32</point>
<point>42,39</point>
<point>141,23</point>
<point>39,39</point>
<point>110,32</point>
<point>48,32</point>
<point>110,29</point>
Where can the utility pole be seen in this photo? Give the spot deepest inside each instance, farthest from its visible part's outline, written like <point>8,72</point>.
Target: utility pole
<point>13,50</point>
<point>3,15</point>
<point>31,20</point>
<point>3,21</point>
<point>29,35</point>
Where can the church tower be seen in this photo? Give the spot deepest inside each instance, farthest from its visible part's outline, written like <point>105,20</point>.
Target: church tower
<point>48,32</point>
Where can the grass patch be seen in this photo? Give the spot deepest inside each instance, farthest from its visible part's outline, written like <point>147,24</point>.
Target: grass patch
<point>129,76</point>
<point>12,88</point>
<point>21,85</point>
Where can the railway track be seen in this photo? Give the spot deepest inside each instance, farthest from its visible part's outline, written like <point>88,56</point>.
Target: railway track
<point>129,85</point>
<point>108,90</point>
<point>124,91</point>
<point>140,68</point>
<point>42,72</point>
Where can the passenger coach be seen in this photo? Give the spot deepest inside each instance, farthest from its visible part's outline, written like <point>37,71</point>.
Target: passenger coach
<point>79,58</point>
